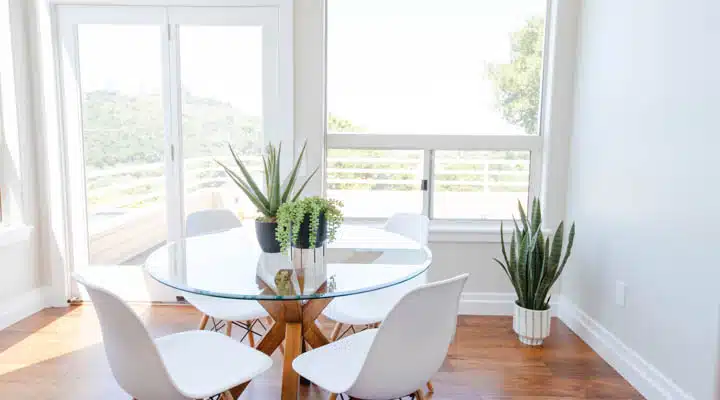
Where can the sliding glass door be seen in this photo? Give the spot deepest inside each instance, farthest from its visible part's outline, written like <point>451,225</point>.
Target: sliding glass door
<point>152,96</point>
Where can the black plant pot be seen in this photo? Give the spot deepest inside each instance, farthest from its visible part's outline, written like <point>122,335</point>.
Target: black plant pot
<point>303,241</point>
<point>265,232</point>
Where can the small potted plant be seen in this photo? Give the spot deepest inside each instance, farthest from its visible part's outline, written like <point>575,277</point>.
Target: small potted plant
<point>307,223</point>
<point>277,192</point>
<point>533,263</point>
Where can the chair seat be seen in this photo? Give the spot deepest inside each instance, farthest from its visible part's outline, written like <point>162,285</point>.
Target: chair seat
<point>372,307</point>
<point>335,366</point>
<point>203,364</point>
<point>227,309</point>
<point>351,311</point>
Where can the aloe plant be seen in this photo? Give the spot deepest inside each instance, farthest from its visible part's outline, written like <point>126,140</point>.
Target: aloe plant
<point>534,262</point>
<point>278,193</point>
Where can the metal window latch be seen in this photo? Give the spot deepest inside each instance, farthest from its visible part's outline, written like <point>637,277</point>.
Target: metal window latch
<point>424,185</point>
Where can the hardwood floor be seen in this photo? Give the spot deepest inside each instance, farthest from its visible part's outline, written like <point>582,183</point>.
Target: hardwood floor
<point>57,355</point>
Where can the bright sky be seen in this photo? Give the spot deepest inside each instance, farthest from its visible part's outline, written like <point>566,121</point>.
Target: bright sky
<point>419,66</point>
<point>223,63</point>
<point>394,66</point>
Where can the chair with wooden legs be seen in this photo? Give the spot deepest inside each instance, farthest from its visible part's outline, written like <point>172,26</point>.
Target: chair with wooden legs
<point>374,364</point>
<point>167,367</point>
<point>369,309</point>
<point>223,313</point>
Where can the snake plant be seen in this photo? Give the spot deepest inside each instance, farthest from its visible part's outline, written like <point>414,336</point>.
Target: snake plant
<point>278,193</point>
<point>533,263</point>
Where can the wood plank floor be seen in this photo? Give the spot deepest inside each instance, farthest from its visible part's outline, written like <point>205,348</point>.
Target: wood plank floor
<point>57,354</point>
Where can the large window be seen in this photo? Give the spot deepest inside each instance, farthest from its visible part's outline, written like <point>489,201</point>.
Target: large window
<point>434,106</point>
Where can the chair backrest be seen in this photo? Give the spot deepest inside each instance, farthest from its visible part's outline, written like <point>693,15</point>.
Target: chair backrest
<point>411,344</point>
<point>134,359</point>
<point>210,221</point>
<point>413,226</point>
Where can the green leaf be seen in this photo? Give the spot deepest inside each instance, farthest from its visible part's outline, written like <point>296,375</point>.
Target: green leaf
<point>522,269</point>
<point>523,217</point>
<point>302,187</point>
<point>290,180</point>
<point>275,189</point>
<point>262,208</point>
<point>540,292</point>
<point>502,243</point>
<point>536,215</point>
<point>571,238</point>
<point>556,250</point>
<point>249,179</point>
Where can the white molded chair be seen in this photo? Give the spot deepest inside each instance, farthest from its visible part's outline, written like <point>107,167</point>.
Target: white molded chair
<point>174,366</point>
<point>385,363</point>
<point>371,308</point>
<point>244,313</point>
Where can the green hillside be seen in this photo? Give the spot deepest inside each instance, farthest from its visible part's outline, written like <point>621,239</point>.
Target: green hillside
<point>121,129</point>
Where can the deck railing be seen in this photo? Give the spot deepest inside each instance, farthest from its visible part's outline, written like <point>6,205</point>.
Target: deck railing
<point>132,186</point>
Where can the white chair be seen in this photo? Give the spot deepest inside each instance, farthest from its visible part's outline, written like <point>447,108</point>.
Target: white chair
<point>174,366</point>
<point>396,359</point>
<point>371,308</point>
<point>224,312</point>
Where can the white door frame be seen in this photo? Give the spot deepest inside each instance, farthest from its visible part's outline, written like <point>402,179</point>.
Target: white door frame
<point>276,15</point>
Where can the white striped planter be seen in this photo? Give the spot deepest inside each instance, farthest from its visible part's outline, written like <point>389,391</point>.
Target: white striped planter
<point>531,326</point>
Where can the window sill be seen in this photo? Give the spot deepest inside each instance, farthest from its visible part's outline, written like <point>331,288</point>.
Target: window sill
<point>458,231</point>
<point>465,232</point>
<point>11,234</point>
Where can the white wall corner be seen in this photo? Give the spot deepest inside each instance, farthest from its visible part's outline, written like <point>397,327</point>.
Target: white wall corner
<point>23,306</point>
<point>642,375</point>
<point>491,303</point>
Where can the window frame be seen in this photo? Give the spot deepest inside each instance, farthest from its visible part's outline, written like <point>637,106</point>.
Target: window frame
<point>536,144</point>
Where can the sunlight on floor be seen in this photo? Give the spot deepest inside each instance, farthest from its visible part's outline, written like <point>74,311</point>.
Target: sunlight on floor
<point>39,344</point>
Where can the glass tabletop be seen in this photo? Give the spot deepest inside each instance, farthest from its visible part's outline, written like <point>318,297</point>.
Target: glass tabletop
<point>231,265</point>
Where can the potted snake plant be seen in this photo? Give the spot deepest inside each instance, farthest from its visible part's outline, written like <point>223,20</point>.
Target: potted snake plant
<point>277,192</point>
<point>533,263</point>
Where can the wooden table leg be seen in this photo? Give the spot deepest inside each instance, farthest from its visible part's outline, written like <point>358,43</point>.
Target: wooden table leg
<point>270,341</point>
<point>295,324</point>
<point>293,347</point>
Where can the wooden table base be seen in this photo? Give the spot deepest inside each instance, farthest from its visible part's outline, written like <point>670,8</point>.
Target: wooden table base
<point>295,325</point>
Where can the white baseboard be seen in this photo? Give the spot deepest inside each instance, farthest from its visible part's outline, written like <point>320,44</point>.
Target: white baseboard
<point>642,375</point>
<point>23,306</point>
<point>490,303</point>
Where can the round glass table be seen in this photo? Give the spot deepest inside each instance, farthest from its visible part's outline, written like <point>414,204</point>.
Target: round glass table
<point>294,288</point>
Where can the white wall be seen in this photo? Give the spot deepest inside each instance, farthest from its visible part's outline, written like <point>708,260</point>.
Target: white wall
<point>18,275</point>
<point>22,282</point>
<point>644,181</point>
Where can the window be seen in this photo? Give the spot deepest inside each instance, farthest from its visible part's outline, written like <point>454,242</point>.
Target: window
<point>148,108</point>
<point>434,106</point>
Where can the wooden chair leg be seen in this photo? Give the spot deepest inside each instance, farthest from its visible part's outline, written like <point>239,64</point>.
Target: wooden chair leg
<point>335,332</point>
<point>228,328</point>
<point>251,337</point>
<point>333,396</point>
<point>203,322</point>
<point>430,387</point>
<point>226,395</point>
<point>419,395</point>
